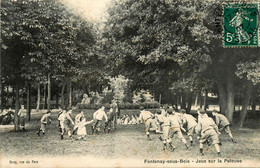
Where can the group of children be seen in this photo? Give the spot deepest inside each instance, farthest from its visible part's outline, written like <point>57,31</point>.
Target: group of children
<point>173,123</point>
<point>167,122</point>
<point>127,120</point>
<point>66,123</point>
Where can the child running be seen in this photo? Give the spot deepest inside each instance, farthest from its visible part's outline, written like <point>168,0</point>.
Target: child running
<point>44,121</point>
<point>82,131</point>
<point>223,124</point>
<point>147,117</point>
<point>166,126</point>
<point>176,127</point>
<point>191,123</point>
<point>78,119</point>
<point>208,129</point>
<point>65,121</point>
<point>98,117</point>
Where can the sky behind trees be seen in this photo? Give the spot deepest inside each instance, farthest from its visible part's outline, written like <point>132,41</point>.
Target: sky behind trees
<point>93,10</point>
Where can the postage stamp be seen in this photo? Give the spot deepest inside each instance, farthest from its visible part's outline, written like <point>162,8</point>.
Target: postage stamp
<point>241,24</point>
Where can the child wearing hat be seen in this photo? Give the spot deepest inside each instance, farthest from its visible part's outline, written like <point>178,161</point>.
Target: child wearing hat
<point>208,130</point>
<point>191,123</point>
<point>223,123</point>
<point>44,121</point>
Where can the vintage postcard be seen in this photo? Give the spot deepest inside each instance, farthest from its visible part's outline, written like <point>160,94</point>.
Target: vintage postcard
<point>129,83</point>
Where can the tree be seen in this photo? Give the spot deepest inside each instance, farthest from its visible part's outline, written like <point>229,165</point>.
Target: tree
<point>118,86</point>
<point>250,72</point>
<point>155,50</point>
<point>183,34</point>
<point>46,45</point>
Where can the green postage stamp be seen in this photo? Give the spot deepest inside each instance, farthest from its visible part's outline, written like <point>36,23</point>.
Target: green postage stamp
<point>241,24</point>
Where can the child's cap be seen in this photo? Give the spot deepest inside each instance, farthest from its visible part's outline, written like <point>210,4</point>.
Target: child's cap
<point>215,111</point>
<point>169,111</point>
<point>158,111</point>
<point>183,111</point>
<point>202,111</point>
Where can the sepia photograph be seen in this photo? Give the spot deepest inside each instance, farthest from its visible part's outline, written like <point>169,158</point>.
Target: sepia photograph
<point>129,83</point>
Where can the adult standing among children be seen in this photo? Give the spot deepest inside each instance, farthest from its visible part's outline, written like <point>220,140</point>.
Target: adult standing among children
<point>223,123</point>
<point>98,117</point>
<point>208,129</point>
<point>116,113</point>
<point>110,119</point>
<point>22,116</point>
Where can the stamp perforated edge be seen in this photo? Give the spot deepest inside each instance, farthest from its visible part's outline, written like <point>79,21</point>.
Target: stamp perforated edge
<point>258,21</point>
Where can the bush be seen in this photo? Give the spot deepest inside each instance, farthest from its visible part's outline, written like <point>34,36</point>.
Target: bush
<point>125,105</point>
<point>87,106</point>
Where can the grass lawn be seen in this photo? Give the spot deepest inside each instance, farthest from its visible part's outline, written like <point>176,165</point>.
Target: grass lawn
<point>128,141</point>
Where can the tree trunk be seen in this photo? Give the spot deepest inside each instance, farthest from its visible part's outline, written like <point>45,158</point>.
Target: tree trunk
<point>189,102</point>
<point>57,100</point>
<point>49,93</point>
<point>230,99</point>
<point>13,96</point>
<point>70,95</point>
<point>248,94</point>
<point>2,97</point>
<point>206,100</point>
<point>38,97</point>
<point>44,96</point>
<point>200,100</point>
<point>7,96</point>
<point>196,100</point>
<point>16,118</point>
<point>222,96</point>
<point>28,102</point>
<point>183,102</point>
<point>253,102</point>
<point>1,100</point>
<point>67,96</point>
<point>177,102</point>
<point>62,93</point>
